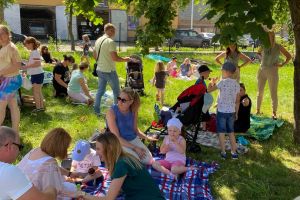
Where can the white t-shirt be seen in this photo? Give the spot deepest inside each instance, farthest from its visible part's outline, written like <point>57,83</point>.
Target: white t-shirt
<point>229,88</point>
<point>89,161</point>
<point>34,56</point>
<point>13,183</point>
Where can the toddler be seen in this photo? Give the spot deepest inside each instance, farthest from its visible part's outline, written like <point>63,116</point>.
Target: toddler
<point>85,163</point>
<point>159,81</point>
<point>174,146</point>
<point>228,106</point>
<point>86,44</point>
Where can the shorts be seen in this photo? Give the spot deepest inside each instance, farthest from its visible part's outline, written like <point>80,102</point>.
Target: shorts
<point>168,165</point>
<point>225,122</point>
<point>78,97</point>
<point>9,86</point>
<point>37,78</point>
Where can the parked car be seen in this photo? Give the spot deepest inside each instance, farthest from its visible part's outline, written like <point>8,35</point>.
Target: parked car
<point>38,29</point>
<point>188,38</point>
<point>15,37</point>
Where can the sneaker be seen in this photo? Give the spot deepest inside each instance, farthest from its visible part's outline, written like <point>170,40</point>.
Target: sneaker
<point>223,155</point>
<point>36,110</point>
<point>234,156</point>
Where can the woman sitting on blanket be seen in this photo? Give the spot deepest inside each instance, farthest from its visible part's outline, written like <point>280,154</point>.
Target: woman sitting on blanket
<point>174,146</point>
<point>126,172</point>
<point>78,89</point>
<point>122,121</point>
<point>41,167</point>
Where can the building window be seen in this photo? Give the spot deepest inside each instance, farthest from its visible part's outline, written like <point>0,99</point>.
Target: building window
<point>133,23</point>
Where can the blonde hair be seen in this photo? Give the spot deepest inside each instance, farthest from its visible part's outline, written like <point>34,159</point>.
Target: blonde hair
<point>133,95</point>
<point>32,40</point>
<point>186,60</point>
<point>109,26</point>
<point>5,29</point>
<point>85,38</point>
<point>56,143</point>
<point>159,67</point>
<point>112,151</point>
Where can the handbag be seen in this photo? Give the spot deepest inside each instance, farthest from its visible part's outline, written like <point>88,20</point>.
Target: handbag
<point>26,83</point>
<point>95,65</point>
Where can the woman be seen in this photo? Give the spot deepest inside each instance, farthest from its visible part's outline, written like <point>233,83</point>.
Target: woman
<point>46,55</point>
<point>122,121</point>
<point>61,76</point>
<point>10,79</point>
<point>126,172</point>
<point>268,71</point>
<point>185,68</point>
<point>232,54</point>
<point>41,167</point>
<point>78,90</point>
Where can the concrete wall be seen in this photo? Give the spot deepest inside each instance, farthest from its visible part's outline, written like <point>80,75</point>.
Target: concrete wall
<point>62,24</point>
<point>41,2</point>
<point>119,17</point>
<point>12,17</point>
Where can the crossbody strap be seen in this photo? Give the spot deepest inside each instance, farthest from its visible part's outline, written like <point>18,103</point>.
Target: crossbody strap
<point>100,49</point>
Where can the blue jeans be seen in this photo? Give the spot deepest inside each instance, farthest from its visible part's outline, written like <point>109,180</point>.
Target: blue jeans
<point>113,81</point>
<point>225,122</point>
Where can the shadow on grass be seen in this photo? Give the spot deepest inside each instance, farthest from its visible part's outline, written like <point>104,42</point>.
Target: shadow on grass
<point>270,170</point>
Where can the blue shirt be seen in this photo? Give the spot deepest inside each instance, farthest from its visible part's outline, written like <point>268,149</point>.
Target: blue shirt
<point>125,123</point>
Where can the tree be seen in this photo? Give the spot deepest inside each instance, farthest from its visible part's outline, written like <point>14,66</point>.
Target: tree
<point>4,4</point>
<point>69,10</point>
<point>158,13</point>
<point>237,17</point>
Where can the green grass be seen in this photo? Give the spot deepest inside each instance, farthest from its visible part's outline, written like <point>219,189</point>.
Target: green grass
<point>271,169</point>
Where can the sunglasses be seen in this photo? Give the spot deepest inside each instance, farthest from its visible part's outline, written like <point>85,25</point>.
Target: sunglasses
<point>122,100</point>
<point>20,146</point>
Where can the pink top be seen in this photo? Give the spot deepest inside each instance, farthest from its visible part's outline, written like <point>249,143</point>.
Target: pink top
<point>44,172</point>
<point>174,155</point>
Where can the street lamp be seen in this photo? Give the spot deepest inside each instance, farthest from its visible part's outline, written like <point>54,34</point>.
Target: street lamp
<point>192,14</point>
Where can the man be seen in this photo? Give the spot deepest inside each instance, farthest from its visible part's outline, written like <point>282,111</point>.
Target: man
<point>106,66</point>
<point>13,183</point>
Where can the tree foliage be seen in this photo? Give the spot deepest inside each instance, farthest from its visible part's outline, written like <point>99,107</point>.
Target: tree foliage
<point>237,17</point>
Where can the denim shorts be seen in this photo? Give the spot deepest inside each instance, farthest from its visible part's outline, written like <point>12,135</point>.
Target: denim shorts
<point>37,78</point>
<point>225,122</point>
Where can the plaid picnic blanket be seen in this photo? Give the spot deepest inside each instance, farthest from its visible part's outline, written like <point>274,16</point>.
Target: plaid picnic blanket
<point>192,185</point>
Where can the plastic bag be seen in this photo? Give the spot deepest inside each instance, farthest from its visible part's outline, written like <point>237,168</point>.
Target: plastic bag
<point>26,83</point>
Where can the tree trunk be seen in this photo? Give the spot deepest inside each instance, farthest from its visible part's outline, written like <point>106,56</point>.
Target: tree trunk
<point>1,14</point>
<point>295,15</point>
<point>70,27</point>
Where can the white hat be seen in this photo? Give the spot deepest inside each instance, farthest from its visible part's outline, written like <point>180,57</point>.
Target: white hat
<point>174,122</point>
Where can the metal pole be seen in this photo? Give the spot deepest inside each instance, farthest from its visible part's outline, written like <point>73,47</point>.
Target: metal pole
<point>119,37</point>
<point>192,14</point>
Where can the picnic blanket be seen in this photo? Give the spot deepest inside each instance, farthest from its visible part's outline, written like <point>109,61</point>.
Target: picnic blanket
<point>262,128</point>
<point>157,57</point>
<point>192,185</point>
<point>211,139</point>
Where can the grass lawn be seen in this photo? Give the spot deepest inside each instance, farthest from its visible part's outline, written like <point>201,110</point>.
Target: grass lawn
<point>271,169</point>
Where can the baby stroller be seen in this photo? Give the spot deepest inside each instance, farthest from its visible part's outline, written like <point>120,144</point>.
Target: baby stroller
<point>188,110</point>
<point>134,75</point>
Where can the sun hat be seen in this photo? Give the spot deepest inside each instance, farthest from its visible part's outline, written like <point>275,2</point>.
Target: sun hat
<point>81,149</point>
<point>174,122</point>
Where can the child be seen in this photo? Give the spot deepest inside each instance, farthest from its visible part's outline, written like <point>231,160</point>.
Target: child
<point>77,87</point>
<point>86,44</point>
<point>159,81</point>
<point>85,162</point>
<point>204,72</point>
<point>174,146</point>
<point>34,68</point>
<point>172,67</point>
<point>242,124</point>
<point>228,106</point>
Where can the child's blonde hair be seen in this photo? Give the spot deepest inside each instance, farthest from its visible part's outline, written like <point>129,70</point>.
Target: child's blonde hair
<point>85,38</point>
<point>159,66</point>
